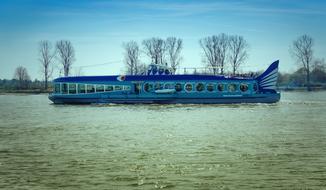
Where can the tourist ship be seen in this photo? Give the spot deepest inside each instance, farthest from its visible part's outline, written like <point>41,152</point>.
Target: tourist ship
<point>159,86</point>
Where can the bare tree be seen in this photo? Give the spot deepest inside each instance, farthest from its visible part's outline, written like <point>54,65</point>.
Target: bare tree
<point>301,50</point>
<point>46,57</point>
<point>238,51</point>
<point>66,55</point>
<point>22,76</point>
<point>131,59</point>
<point>174,46</point>
<point>155,48</point>
<point>215,50</point>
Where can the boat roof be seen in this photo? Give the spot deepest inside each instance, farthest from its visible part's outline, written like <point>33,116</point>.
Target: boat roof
<point>149,78</point>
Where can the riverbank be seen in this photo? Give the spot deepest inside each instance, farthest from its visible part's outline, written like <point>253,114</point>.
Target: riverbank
<point>28,91</point>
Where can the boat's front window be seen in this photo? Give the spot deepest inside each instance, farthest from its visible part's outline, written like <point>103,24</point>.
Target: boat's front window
<point>64,89</point>
<point>57,88</point>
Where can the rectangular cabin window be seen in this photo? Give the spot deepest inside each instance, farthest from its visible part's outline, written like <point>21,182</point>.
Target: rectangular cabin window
<point>81,88</point>
<point>57,88</point>
<point>90,88</point>
<point>108,88</point>
<point>117,87</point>
<point>72,89</point>
<point>64,88</point>
<point>99,88</point>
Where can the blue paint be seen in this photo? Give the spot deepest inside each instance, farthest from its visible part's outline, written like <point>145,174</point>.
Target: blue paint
<point>141,89</point>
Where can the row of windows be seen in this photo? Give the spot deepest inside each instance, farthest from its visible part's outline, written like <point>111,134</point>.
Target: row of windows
<point>199,87</point>
<point>72,88</point>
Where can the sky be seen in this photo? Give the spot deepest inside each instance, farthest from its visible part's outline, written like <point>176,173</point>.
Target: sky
<point>98,28</point>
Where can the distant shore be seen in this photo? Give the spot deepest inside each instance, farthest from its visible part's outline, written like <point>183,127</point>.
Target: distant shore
<point>29,91</point>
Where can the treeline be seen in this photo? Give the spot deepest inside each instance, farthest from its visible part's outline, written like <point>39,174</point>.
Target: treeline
<point>218,51</point>
<point>64,54</point>
<point>298,78</point>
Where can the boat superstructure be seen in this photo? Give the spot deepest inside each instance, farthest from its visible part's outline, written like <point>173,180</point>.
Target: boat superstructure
<point>160,86</point>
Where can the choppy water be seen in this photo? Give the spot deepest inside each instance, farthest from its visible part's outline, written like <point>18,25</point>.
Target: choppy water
<point>248,146</point>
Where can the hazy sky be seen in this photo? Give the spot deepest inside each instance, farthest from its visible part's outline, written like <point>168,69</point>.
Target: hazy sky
<point>97,29</point>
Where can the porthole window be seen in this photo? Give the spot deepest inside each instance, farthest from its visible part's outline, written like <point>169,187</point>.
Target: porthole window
<point>244,87</point>
<point>200,87</point>
<point>148,87</point>
<point>81,88</point>
<point>220,87</point>
<point>108,88</point>
<point>168,86</point>
<point>255,87</point>
<point>188,87</point>
<point>158,86</point>
<point>232,87</point>
<point>210,87</point>
<point>178,87</point>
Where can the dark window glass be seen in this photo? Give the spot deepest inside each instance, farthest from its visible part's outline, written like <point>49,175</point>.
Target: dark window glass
<point>72,89</point>
<point>99,88</point>
<point>64,89</point>
<point>243,87</point>
<point>232,87</point>
<point>90,88</point>
<point>178,87</point>
<point>108,88</point>
<point>200,87</point>
<point>210,87</point>
<point>220,87</point>
<point>117,87</point>
<point>188,87</point>
<point>148,87</point>
<point>57,88</point>
<point>81,88</point>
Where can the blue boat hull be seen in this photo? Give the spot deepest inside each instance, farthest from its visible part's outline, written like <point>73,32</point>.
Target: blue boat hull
<point>88,99</point>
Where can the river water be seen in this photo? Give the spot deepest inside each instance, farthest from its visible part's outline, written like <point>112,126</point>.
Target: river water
<point>247,146</point>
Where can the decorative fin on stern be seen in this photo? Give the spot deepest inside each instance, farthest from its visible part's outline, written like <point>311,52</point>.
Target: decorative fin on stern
<point>268,80</point>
